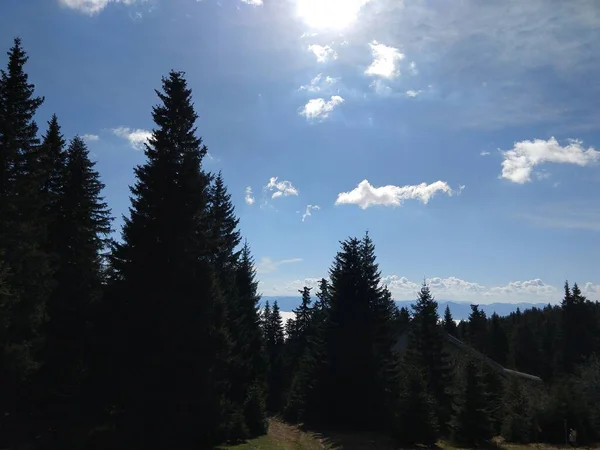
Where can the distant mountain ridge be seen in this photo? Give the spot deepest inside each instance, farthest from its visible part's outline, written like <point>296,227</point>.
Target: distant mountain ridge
<point>460,310</point>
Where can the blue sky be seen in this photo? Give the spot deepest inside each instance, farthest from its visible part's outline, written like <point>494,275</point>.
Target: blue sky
<point>461,134</point>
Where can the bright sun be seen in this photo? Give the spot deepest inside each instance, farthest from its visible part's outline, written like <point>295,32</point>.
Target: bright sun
<point>329,14</point>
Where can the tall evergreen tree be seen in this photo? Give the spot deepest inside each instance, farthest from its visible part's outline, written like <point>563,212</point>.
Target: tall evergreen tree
<point>415,416</point>
<point>448,322</point>
<point>248,384</point>
<point>174,343</point>
<point>471,424</point>
<point>498,341</point>
<point>298,332</point>
<point>349,352</point>
<point>426,352</point>
<point>274,344</point>
<point>83,219</point>
<point>518,424</point>
<point>22,238</point>
<point>477,329</point>
<point>52,161</point>
<point>225,236</point>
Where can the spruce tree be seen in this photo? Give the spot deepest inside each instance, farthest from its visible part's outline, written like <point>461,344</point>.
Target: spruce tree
<point>358,301</point>
<point>471,425</point>
<point>248,351</point>
<point>426,353</point>
<point>298,332</point>
<point>498,346</point>
<point>349,352</point>
<point>415,418</point>
<point>448,322</point>
<point>274,344</point>
<point>52,160</point>
<point>225,236</point>
<point>477,329</point>
<point>517,425</point>
<point>297,356</point>
<point>84,220</point>
<point>174,347</point>
<point>22,240</point>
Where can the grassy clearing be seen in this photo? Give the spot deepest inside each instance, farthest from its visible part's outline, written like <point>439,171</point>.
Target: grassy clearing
<point>283,436</point>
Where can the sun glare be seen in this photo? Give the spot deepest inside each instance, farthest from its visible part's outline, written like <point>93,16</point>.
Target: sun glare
<point>329,14</point>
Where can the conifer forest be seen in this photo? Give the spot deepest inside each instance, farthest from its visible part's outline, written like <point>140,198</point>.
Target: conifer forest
<point>155,339</point>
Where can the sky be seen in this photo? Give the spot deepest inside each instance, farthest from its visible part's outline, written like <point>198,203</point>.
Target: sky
<point>463,135</point>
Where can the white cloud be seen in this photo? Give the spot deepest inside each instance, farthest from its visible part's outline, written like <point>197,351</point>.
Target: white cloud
<point>309,210</point>
<point>319,83</point>
<point>519,162</point>
<point>385,61</point>
<point>591,291</point>
<point>413,68</point>
<point>90,137</point>
<point>288,288</point>
<point>253,2</point>
<point>281,188</point>
<point>381,88</point>
<point>319,108</point>
<point>484,153</point>
<point>323,52</point>
<point>267,265</point>
<point>92,7</point>
<point>136,137</point>
<point>412,93</point>
<point>248,196</point>
<point>531,288</point>
<point>365,195</point>
<point>454,288</point>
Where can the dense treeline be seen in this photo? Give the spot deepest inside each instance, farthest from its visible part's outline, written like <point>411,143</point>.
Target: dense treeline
<point>425,388</point>
<point>155,340</point>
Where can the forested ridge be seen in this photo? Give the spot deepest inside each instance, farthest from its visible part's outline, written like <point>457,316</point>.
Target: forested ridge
<point>156,340</point>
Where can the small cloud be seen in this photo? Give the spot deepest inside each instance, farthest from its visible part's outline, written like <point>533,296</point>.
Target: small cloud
<point>318,83</point>
<point>542,175</point>
<point>281,188</point>
<point>485,153</point>
<point>248,196</point>
<point>323,52</point>
<point>385,61</point>
<point>519,162</point>
<point>253,2</point>
<point>91,7</point>
<point>413,68</point>
<point>136,137</point>
<point>309,210</point>
<point>530,287</point>
<point>413,93</point>
<point>319,108</point>
<point>365,195</point>
<point>90,137</point>
<point>267,265</point>
<point>381,88</point>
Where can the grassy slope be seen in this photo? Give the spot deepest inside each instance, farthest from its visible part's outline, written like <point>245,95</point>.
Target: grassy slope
<point>288,437</point>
